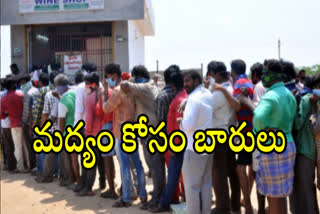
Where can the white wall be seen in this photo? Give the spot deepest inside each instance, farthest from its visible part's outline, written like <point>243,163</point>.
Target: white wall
<point>5,50</point>
<point>136,45</point>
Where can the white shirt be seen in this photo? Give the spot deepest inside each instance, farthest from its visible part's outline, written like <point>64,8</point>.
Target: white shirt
<point>300,85</point>
<point>54,112</point>
<point>223,114</point>
<point>80,107</point>
<point>258,92</point>
<point>62,109</point>
<point>197,114</point>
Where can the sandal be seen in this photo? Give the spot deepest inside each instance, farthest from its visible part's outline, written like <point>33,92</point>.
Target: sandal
<point>109,194</point>
<point>85,192</point>
<point>121,203</point>
<point>43,180</point>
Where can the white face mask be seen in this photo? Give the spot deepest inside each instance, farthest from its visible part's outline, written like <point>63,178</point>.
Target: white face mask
<point>316,92</point>
<point>212,83</point>
<point>88,90</point>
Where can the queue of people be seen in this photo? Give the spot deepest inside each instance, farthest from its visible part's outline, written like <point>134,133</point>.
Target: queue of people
<point>271,100</point>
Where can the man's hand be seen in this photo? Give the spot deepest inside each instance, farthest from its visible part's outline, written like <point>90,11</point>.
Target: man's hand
<point>56,142</point>
<point>244,91</point>
<point>125,87</point>
<point>171,154</point>
<point>314,99</point>
<point>218,87</point>
<point>98,94</point>
<point>179,120</point>
<point>206,82</point>
<point>295,93</point>
<point>182,106</point>
<point>105,85</point>
<point>31,131</point>
<point>246,101</point>
<point>318,181</point>
<point>56,94</point>
<point>242,99</point>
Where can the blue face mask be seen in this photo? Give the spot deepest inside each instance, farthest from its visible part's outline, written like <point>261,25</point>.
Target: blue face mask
<point>111,83</point>
<point>25,87</point>
<point>316,92</point>
<point>141,80</point>
<point>61,89</point>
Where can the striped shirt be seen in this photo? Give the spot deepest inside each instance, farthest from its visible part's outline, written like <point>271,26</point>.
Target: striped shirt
<point>38,103</point>
<point>48,108</point>
<point>163,101</point>
<point>27,104</point>
<point>244,114</point>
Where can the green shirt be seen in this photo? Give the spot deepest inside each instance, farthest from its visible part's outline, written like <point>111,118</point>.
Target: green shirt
<point>276,110</point>
<point>304,140</point>
<point>69,100</point>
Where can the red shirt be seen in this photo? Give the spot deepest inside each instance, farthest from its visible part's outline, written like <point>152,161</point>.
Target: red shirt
<point>107,118</point>
<point>12,103</point>
<point>174,114</point>
<point>93,121</point>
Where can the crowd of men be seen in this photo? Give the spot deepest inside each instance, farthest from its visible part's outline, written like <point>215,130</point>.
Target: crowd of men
<point>275,99</point>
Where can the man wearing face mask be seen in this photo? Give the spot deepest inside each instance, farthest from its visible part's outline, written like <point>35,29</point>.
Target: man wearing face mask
<point>256,76</point>
<point>145,94</point>
<point>112,79</point>
<point>66,108</point>
<point>301,79</point>
<point>224,162</point>
<point>29,93</point>
<point>124,108</point>
<point>315,120</point>
<point>304,197</point>
<point>80,109</point>
<point>92,128</point>
<point>276,111</point>
<point>209,81</point>
<point>244,113</point>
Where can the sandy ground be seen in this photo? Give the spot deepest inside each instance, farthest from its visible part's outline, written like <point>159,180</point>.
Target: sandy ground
<point>21,194</point>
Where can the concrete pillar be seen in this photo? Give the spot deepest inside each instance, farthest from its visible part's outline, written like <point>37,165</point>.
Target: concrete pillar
<point>121,45</point>
<point>18,44</point>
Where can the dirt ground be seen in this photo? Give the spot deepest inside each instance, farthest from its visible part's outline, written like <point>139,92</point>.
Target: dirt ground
<point>21,194</point>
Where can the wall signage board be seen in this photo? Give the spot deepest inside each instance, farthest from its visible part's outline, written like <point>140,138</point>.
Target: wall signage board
<point>72,64</point>
<point>34,6</point>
